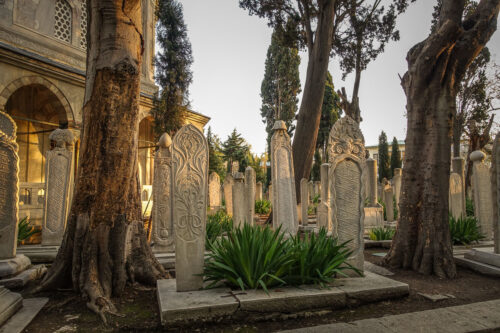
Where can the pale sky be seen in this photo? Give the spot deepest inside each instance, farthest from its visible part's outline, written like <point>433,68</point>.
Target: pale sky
<point>229,50</point>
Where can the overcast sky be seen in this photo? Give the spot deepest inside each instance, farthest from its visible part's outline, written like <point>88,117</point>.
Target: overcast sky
<point>229,50</point>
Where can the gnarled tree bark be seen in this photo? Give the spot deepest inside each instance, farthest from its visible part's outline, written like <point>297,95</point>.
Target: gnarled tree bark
<point>105,245</point>
<point>435,67</point>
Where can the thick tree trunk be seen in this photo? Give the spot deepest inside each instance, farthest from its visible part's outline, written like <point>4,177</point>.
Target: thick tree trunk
<point>105,245</point>
<point>309,116</point>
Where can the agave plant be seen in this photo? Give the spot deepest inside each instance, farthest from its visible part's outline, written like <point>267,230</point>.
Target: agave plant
<point>464,230</point>
<point>25,230</point>
<point>379,234</point>
<point>250,257</point>
<point>318,259</point>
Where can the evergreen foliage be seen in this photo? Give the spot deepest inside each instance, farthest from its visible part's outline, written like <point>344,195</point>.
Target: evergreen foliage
<point>235,148</point>
<point>330,113</point>
<point>383,157</point>
<point>316,168</point>
<point>215,156</point>
<point>173,68</point>
<point>395,156</point>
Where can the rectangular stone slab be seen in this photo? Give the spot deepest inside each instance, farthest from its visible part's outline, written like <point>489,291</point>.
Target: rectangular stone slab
<point>484,256</point>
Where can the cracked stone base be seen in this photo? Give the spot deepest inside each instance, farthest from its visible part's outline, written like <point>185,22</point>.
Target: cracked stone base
<point>13,266</point>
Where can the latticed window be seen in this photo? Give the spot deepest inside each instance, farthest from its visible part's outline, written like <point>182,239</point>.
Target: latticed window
<point>62,25</point>
<point>83,25</point>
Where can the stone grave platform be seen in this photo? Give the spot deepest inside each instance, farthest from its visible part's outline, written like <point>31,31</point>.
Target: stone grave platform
<point>39,254</point>
<point>481,260</point>
<point>214,305</point>
<point>16,272</point>
<point>26,312</point>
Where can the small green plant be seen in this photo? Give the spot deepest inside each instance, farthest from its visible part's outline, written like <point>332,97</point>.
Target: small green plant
<point>394,205</point>
<point>316,199</point>
<point>25,230</point>
<point>469,207</point>
<point>250,257</point>
<point>218,224</point>
<point>379,234</point>
<point>464,230</point>
<point>317,259</point>
<point>262,206</point>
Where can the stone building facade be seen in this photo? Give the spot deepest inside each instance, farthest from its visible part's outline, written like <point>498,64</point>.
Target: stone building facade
<point>42,84</point>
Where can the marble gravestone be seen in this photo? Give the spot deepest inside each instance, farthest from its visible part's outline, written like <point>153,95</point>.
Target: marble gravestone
<point>396,183</point>
<point>311,189</point>
<point>235,167</point>
<point>258,191</point>
<point>389,202</point>
<point>495,191</point>
<point>58,180</point>
<point>250,179</point>
<point>270,193</point>
<point>283,189</point>
<point>323,211</point>
<point>228,193</point>
<point>190,185</point>
<point>214,191</point>
<point>458,166</point>
<point>481,188</point>
<point>346,155</point>
<point>304,201</point>
<point>371,172</point>
<point>9,187</point>
<point>456,204</point>
<point>163,222</point>
<point>239,200</point>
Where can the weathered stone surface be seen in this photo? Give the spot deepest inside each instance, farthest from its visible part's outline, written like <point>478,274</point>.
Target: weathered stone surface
<point>190,184</point>
<point>58,178</point>
<point>9,187</point>
<point>258,191</point>
<point>239,200</point>
<point>456,196</point>
<point>477,266</point>
<point>162,214</point>
<point>270,193</point>
<point>323,217</point>
<point>214,191</point>
<point>374,217</point>
<point>346,154</point>
<point>396,183</point>
<point>481,188</point>
<point>458,166</point>
<point>13,266</point>
<point>372,268</point>
<point>284,196</point>
<point>310,188</point>
<point>18,322</point>
<point>10,303</point>
<point>482,256</point>
<point>228,193</point>
<point>495,192</point>
<point>317,188</point>
<point>235,167</point>
<point>389,203</point>
<point>304,201</point>
<point>21,279</point>
<point>371,172</point>
<point>250,180</point>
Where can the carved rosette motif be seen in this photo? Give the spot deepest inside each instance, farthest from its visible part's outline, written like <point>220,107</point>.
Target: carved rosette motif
<point>190,163</point>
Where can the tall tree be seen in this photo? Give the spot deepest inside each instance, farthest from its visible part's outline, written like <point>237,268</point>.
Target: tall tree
<point>395,156</point>
<point>316,168</point>
<point>257,163</point>
<point>215,156</point>
<point>235,148</point>
<point>313,24</point>
<point>104,244</point>
<point>280,86</point>
<point>384,170</point>
<point>436,66</point>
<point>371,27</point>
<point>173,68</point>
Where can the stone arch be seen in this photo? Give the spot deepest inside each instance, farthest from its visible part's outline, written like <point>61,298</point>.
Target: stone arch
<point>37,80</point>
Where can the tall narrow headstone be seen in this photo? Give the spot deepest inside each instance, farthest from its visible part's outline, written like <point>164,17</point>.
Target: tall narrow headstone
<point>284,196</point>
<point>310,189</point>
<point>250,180</point>
<point>190,185</point>
<point>396,183</point>
<point>481,188</point>
<point>455,197</point>
<point>58,179</point>
<point>214,191</point>
<point>270,193</point>
<point>495,191</point>
<point>371,166</point>
<point>163,222</point>
<point>9,187</point>
<point>239,200</point>
<point>346,154</point>
<point>304,201</point>
<point>323,211</point>
<point>389,203</point>
<point>228,193</point>
<point>458,166</point>
<point>317,188</point>
<point>235,167</point>
<point>258,191</point>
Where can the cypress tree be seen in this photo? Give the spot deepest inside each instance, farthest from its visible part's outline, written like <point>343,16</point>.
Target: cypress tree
<point>383,157</point>
<point>330,113</point>
<point>395,156</point>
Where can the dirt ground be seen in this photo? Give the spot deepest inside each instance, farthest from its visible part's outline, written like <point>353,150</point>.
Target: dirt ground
<point>139,306</point>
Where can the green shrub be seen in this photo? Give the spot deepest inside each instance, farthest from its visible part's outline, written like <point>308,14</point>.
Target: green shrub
<point>317,259</point>
<point>316,199</point>
<point>25,230</point>
<point>379,234</point>
<point>464,230</point>
<point>218,224</point>
<point>469,207</point>
<point>250,257</point>
<point>262,206</point>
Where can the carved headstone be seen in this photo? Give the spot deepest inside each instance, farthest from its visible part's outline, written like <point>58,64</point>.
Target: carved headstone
<point>163,222</point>
<point>250,180</point>
<point>190,184</point>
<point>481,188</point>
<point>458,165</point>
<point>9,187</point>
<point>214,191</point>
<point>283,195</point>
<point>317,188</point>
<point>323,217</point>
<point>304,201</point>
<point>228,193</point>
<point>389,203</point>
<point>258,191</point>
<point>371,172</point>
<point>346,155</point>
<point>396,183</point>
<point>495,191</point>
<point>235,167</point>
<point>456,194</point>
<point>58,180</point>
<point>239,200</point>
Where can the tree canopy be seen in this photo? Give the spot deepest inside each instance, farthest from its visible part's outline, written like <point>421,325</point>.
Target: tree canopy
<point>395,156</point>
<point>384,170</point>
<point>235,148</point>
<point>215,156</point>
<point>330,113</point>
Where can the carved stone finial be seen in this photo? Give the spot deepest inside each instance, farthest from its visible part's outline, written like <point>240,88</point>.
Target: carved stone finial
<point>62,137</point>
<point>477,156</point>
<point>165,141</point>
<point>279,125</point>
<point>346,138</point>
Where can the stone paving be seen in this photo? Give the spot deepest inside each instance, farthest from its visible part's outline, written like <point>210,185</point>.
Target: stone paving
<point>481,316</point>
